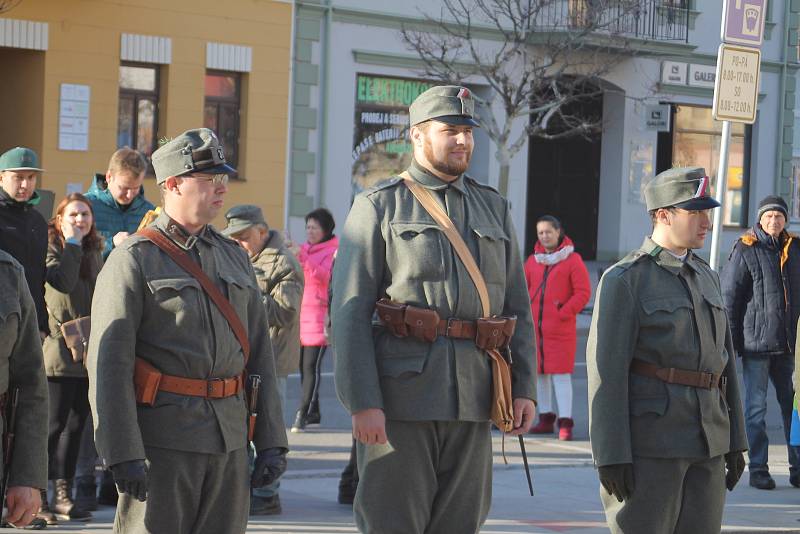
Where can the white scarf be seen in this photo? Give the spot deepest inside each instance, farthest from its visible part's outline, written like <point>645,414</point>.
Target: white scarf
<point>554,257</point>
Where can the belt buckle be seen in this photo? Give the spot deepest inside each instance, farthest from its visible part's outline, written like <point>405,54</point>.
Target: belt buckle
<point>449,326</point>
<point>210,388</point>
<point>708,378</point>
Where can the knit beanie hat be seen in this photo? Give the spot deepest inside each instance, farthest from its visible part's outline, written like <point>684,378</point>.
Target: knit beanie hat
<point>770,203</point>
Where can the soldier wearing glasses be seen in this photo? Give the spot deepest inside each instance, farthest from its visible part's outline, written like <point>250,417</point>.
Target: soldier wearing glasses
<point>180,461</point>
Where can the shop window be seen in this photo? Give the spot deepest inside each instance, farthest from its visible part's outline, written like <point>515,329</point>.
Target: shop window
<point>696,142</point>
<point>137,121</point>
<point>222,108</point>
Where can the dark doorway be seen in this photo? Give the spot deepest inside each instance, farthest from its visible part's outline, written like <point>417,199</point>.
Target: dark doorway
<point>564,181</point>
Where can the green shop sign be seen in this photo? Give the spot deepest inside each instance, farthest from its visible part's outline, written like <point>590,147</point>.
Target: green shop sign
<point>384,91</point>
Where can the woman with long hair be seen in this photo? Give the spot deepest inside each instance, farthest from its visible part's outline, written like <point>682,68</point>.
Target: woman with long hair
<point>559,288</point>
<point>316,256</point>
<point>73,261</point>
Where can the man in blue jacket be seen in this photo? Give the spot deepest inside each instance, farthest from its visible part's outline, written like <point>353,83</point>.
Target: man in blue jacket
<point>761,288</point>
<point>118,197</point>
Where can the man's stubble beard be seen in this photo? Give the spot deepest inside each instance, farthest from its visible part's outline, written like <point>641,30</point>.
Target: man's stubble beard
<point>443,166</point>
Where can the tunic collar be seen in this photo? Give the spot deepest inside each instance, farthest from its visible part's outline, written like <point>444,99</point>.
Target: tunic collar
<point>669,261</point>
<point>429,180</point>
<point>178,233</point>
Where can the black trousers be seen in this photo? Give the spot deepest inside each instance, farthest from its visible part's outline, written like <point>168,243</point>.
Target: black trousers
<point>310,377</point>
<point>69,409</point>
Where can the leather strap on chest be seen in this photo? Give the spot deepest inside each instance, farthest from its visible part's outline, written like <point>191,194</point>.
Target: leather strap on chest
<point>190,266</point>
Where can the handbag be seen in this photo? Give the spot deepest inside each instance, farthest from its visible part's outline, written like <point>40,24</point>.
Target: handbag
<point>502,409</point>
<point>76,337</point>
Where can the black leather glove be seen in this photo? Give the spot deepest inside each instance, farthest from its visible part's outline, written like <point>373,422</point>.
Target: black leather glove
<point>617,479</point>
<point>734,467</point>
<point>131,478</point>
<point>270,465</point>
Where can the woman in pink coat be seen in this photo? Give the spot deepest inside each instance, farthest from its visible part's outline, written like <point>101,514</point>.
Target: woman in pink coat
<point>316,256</point>
<point>559,288</point>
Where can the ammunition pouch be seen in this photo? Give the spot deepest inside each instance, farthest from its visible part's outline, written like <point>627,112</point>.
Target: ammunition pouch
<point>494,333</point>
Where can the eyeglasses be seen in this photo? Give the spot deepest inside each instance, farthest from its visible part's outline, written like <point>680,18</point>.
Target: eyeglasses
<point>217,179</point>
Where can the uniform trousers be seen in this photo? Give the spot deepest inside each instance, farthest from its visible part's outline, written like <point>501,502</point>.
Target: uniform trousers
<point>670,496</point>
<point>431,477</point>
<point>189,493</point>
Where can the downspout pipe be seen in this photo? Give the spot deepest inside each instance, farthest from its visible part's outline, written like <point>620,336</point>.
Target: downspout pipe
<point>287,192</point>
<point>782,91</point>
<point>322,138</point>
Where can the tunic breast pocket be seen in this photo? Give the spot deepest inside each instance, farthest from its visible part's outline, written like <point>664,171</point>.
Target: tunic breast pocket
<point>239,286</point>
<point>492,253</point>
<point>719,318</point>
<point>668,319</point>
<point>176,295</point>
<point>417,250</point>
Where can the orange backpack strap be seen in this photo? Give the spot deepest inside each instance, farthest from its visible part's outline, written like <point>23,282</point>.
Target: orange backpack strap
<point>190,266</point>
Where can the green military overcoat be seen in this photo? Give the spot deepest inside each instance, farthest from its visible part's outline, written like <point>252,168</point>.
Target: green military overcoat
<point>391,247</point>
<point>653,307</point>
<point>22,366</point>
<point>145,305</point>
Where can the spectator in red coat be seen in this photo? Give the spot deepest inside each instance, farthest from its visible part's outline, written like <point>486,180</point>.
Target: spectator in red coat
<point>559,288</point>
<point>316,256</point>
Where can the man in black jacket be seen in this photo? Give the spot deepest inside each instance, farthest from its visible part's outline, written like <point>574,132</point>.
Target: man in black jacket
<point>23,231</point>
<point>761,288</point>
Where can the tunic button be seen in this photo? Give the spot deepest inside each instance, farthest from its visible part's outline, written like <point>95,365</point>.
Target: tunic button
<point>419,322</point>
<point>495,333</point>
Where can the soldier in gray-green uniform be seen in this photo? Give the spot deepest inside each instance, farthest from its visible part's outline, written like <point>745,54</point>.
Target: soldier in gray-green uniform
<point>22,366</point>
<point>280,279</point>
<point>180,464</point>
<point>421,409</point>
<point>665,417</point>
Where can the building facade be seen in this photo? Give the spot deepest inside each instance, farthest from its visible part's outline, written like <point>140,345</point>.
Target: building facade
<point>353,79</point>
<point>83,78</point>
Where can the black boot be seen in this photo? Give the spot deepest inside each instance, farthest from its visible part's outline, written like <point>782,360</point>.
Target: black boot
<point>108,490</point>
<point>86,493</point>
<point>300,422</point>
<point>63,505</point>
<point>45,513</point>
<point>313,416</point>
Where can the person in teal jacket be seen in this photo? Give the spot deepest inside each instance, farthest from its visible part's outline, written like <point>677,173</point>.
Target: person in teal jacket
<point>118,197</point>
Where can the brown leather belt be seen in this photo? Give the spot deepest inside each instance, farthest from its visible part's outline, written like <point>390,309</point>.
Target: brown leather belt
<point>148,381</point>
<point>457,328</point>
<point>672,375</point>
<point>212,388</point>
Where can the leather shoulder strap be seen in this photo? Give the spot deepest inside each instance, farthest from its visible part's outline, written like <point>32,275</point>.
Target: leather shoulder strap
<point>213,292</point>
<point>434,208</point>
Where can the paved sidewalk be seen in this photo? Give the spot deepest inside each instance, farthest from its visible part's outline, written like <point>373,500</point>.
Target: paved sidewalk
<point>566,499</point>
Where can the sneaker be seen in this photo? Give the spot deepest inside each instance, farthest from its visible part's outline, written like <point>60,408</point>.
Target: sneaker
<point>762,480</point>
<point>265,505</point>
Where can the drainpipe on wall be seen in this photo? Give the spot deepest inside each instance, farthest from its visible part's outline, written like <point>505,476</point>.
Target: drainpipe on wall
<point>287,182</point>
<point>322,143</point>
<point>782,109</point>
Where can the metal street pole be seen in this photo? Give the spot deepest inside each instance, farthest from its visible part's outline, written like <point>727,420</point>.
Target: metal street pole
<point>719,192</point>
